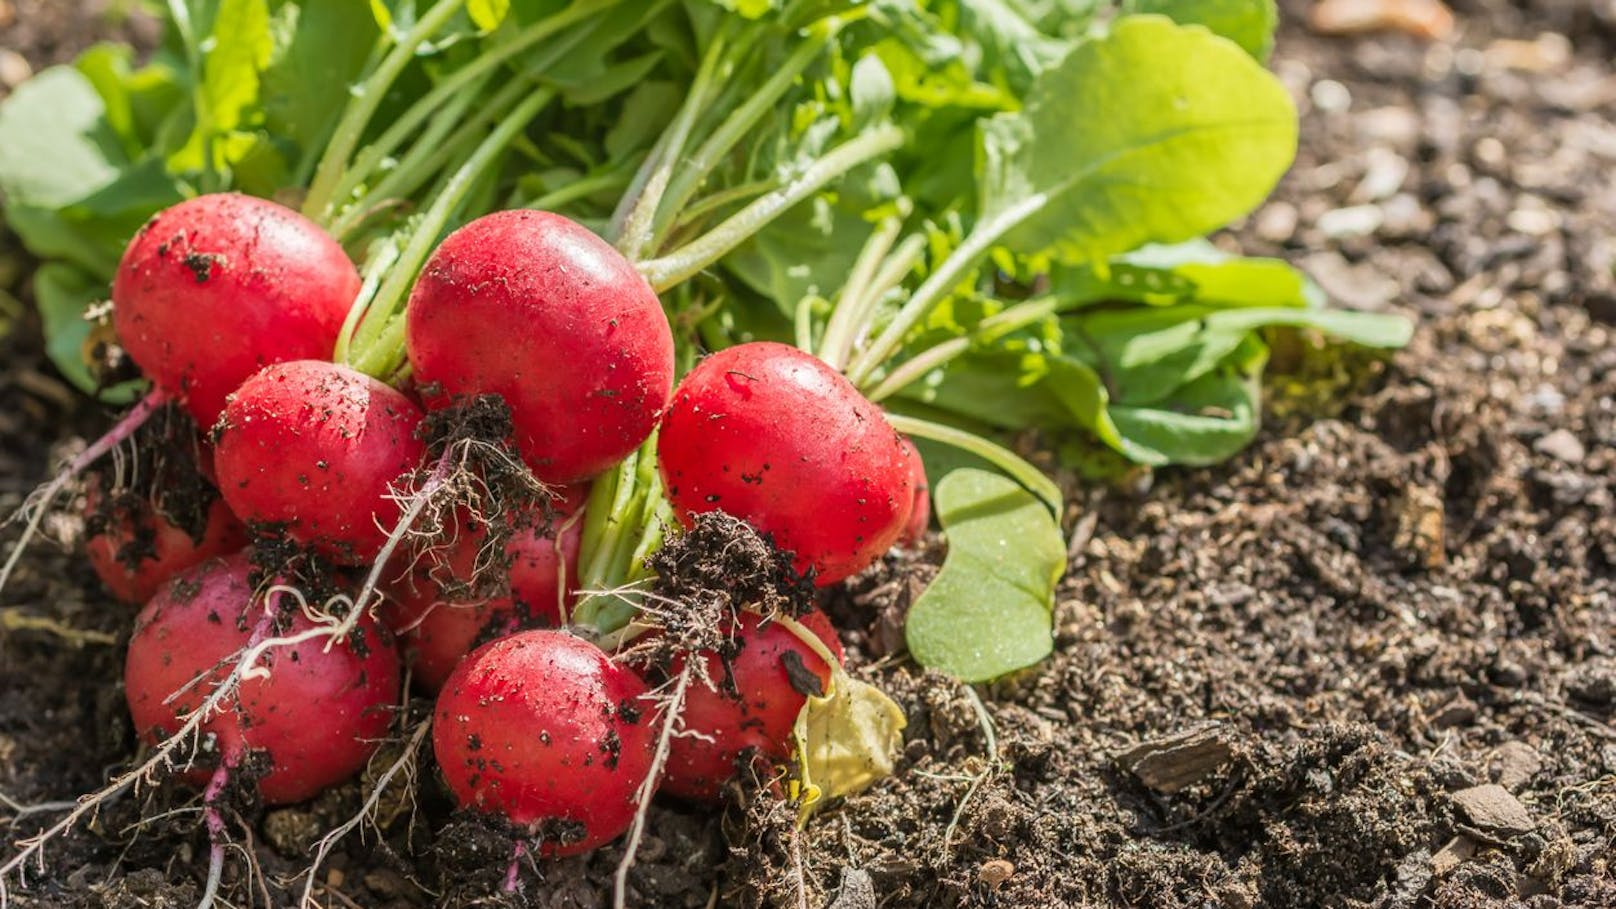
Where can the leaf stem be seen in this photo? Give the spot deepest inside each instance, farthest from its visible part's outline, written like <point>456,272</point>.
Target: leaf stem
<point>382,356</point>
<point>639,206</point>
<point>990,329</point>
<point>844,319</point>
<point>936,288</point>
<point>1003,458</point>
<point>362,105</point>
<point>695,169</point>
<point>457,89</point>
<point>679,265</point>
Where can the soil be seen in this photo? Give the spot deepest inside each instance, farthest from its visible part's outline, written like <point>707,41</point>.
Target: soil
<point>1368,662</point>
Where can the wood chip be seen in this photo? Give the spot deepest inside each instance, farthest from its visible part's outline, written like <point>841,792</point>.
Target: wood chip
<point>1455,853</point>
<point>1174,762</point>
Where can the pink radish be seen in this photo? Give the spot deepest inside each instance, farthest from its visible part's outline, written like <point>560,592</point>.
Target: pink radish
<point>775,437</point>
<point>317,716</point>
<point>315,447</point>
<point>533,307</point>
<point>215,288</point>
<point>544,730</point>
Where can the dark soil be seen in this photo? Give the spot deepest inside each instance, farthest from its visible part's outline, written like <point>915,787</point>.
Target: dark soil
<point>1369,662</point>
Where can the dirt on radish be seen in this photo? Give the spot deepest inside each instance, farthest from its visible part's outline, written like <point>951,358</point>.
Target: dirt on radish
<point>1281,681</point>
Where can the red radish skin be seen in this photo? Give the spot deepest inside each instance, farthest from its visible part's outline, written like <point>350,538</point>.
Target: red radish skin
<point>752,710</point>
<point>543,729</point>
<point>318,715</point>
<point>533,307</point>
<point>140,549</point>
<point>215,288</point>
<point>920,512</point>
<point>437,632</point>
<point>315,446</point>
<point>775,437</point>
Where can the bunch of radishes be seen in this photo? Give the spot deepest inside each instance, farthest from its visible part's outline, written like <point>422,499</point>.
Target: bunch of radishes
<point>232,306</point>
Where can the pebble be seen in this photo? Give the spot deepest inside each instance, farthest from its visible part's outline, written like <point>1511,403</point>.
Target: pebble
<point>1353,286</point>
<point>1562,446</point>
<point>1330,96</point>
<point>1276,223</point>
<point>1427,19</point>
<point>856,892</point>
<point>14,68</point>
<point>1534,222</point>
<point>1384,173</point>
<point>1515,763</point>
<point>1353,221</point>
<point>994,872</point>
<point>1492,808</point>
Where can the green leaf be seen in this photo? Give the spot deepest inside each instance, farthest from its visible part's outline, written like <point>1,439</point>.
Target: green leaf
<point>988,611</point>
<point>1248,23</point>
<point>64,294</point>
<point>320,50</point>
<point>241,48</point>
<point>1154,133</point>
<point>1203,422</point>
<point>488,14</point>
<point>56,146</point>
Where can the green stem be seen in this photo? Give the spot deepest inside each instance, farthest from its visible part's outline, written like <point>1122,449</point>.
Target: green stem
<point>804,323</point>
<point>735,127</point>
<point>844,319</point>
<point>1003,458</point>
<point>633,230</point>
<point>577,189</point>
<point>459,87</point>
<point>990,329</point>
<point>440,143</point>
<point>681,264</point>
<point>937,287</point>
<point>694,212</point>
<point>381,335</point>
<point>362,105</point>
<point>380,263</point>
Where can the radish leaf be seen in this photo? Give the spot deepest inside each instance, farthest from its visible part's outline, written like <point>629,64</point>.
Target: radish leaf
<point>1248,23</point>
<point>988,612</point>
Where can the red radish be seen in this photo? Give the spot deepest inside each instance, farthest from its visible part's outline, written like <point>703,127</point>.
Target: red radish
<point>775,437</point>
<point>319,713</point>
<point>438,631</point>
<point>533,307</point>
<point>759,694</point>
<point>135,547</point>
<point>545,730</point>
<point>315,446</point>
<point>920,512</point>
<point>215,288</point>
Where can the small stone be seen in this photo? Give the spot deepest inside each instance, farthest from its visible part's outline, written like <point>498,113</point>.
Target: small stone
<point>1461,711</point>
<point>1354,221</point>
<point>1360,286</point>
<point>1426,19</point>
<point>1594,682</point>
<point>994,872</point>
<point>1384,173</point>
<point>1514,764</point>
<point>1492,808</point>
<point>1394,125</point>
<point>1276,223</point>
<point>1534,222</point>
<point>857,890</point>
<point>1455,853</point>
<point>1330,96</point>
<point>1562,446</point>
<point>14,68</point>
<point>1548,52</point>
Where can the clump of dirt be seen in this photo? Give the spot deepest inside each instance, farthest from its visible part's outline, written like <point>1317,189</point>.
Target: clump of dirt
<point>717,567</point>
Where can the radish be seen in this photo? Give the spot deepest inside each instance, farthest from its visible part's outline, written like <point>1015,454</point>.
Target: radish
<point>438,628</point>
<point>920,511</point>
<point>533,307</point>
<point>318,714</point>
<point>775,437</point>
<point>543,729</point>
<point>215,288</point>
<point>748,716</point>
<point>135,545</point>
<point>316,447</point>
